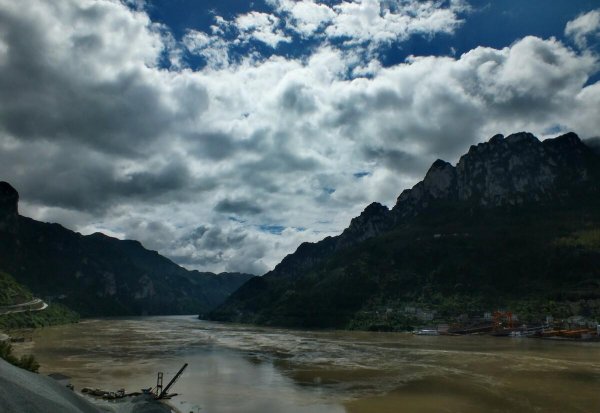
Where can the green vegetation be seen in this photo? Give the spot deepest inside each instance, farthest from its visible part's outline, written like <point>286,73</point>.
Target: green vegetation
<point>27,362</point>
<point>12,292</point>
<point>588,239</point>
<point>53,315</point>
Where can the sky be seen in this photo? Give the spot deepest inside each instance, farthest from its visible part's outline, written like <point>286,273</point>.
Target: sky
<point>224,133</point>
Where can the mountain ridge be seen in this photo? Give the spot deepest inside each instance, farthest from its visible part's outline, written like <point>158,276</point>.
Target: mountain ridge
<point>439,183</point>
<point>511,177</point>
<point>98,275</point>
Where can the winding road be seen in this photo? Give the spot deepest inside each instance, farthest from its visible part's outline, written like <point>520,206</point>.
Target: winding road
<point>34,305</point>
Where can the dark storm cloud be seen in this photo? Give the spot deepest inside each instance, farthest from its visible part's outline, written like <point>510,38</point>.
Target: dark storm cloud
<point>214,145</point>
<point>44,98</point>
<point>395,159</point>
<point>82,180</point>
<point>238,207</point>
<point>232,248</point>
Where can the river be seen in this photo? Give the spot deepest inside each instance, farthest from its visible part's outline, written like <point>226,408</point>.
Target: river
<point>248,369</point>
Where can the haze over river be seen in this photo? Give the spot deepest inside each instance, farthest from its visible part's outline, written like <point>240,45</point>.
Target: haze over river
<point>248,369</point>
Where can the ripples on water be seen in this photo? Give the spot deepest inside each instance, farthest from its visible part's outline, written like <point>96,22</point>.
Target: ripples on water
<point>242,369</point>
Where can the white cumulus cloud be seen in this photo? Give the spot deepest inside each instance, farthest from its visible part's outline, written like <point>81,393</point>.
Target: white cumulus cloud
<point>583,27</point>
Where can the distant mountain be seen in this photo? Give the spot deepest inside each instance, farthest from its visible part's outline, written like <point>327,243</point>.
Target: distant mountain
<point>99,275</point>
<point>515,222</point>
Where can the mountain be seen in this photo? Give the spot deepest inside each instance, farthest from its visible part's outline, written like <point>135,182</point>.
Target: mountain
<point>98,275</point>
<point>515,223</point>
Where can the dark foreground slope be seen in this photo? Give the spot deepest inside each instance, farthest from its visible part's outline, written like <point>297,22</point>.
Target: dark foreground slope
<point>25,392</point>
<point>516,223</point>
<point>100,275</point>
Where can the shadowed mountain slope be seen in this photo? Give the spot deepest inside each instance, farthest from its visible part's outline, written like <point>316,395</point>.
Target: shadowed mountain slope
<point>515,223</point>
<point>101,275</point>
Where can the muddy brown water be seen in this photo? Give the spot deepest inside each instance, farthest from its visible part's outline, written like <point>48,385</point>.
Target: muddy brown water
<point>247,369</point>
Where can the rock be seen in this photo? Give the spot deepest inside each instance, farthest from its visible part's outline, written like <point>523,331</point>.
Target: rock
<point>505,171</point>
<point>371,222</point>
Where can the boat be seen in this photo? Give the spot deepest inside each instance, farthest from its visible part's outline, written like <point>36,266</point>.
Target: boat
<point>427,332</point>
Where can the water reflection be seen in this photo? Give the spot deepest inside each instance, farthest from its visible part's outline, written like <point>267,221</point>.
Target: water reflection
<point>249,369</point>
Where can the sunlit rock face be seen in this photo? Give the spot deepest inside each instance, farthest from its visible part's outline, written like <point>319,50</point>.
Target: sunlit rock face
<point>505,171</point>
<point>522,169</point>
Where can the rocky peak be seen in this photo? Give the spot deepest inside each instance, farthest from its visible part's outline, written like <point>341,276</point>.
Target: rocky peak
<point>499,138</point>
<point>372,221</point>
<point>439,184</point>
<point>505,171</point>
<point>440,180</point>
<point>521,138</point>
<point>9,207</point>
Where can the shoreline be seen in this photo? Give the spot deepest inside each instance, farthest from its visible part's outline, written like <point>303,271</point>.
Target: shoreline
<point>137,404</point>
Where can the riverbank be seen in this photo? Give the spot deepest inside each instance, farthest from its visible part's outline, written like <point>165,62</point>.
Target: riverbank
<point>134,404</point>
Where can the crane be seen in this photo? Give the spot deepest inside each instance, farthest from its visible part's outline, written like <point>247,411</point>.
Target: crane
<point>163,393</point>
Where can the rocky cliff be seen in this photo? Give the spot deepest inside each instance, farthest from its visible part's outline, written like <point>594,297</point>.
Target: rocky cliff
<point>101,275</point>
<point>515,170</point>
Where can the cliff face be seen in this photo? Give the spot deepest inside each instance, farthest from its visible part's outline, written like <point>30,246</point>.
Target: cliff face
<point>100,275</point>
<point>515,170</point>
<point>493,185</point>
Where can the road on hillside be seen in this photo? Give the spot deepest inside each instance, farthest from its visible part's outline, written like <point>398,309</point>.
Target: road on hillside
<point>34,305</point>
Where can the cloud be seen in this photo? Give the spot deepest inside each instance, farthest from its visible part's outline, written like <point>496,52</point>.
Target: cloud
<point>238,207</point>
<point>216,167</point>
<point>378,22</point>
<point>89,77</point>
<point>583,27</point>
<point>365,25</point>
<point>262,27</point>
<point>371,22</point>
<point>212,48</point>
<point>305,17</point>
